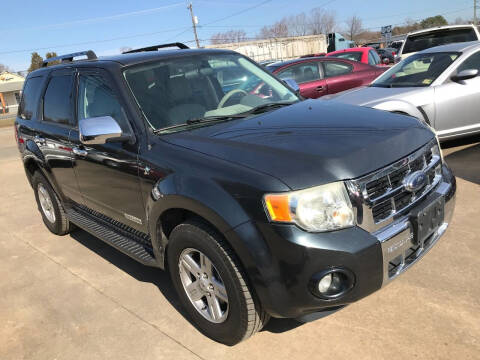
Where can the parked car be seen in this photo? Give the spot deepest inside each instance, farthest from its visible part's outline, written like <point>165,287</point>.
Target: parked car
<point>440,86</point>
<point>320,76</point>
<point>375,45</point>
<point>366,55</point>
<point>259,207</point>
<point>442,35</point>
<point>387,53</point>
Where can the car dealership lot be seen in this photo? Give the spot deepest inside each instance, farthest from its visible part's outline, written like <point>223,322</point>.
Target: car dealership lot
<point>74,297</point>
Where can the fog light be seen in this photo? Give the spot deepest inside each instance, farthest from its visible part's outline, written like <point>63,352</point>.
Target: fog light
<point>324,283</point>
<point>332,284</point>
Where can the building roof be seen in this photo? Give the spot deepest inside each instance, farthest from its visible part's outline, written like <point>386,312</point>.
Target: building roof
<point>10,82</point>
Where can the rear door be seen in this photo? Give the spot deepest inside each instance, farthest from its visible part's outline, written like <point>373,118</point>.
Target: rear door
<point>52,132</point>
<point>309,76</point>
<point>107,173</point>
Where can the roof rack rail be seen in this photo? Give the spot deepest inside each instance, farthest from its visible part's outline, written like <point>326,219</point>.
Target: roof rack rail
<point>156,47</point>
<point>69,57</point>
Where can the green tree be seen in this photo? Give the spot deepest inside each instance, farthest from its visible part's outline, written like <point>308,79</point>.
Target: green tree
<point>52,54</point>
<point>432,21</point>
<point>36,62</point>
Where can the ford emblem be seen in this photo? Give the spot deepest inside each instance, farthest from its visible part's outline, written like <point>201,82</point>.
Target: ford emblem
<point>415,181</point>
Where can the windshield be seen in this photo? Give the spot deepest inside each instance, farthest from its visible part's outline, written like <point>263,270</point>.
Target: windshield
<point>178,90</point>
<point>351,55</point>
<point>415,43</point>
<point>417,70</point>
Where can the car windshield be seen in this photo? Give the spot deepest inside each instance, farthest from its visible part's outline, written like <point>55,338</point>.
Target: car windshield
<point>415,43</point>
<point>418,70</point>
<point>350,55</point>
<point>188,89</point>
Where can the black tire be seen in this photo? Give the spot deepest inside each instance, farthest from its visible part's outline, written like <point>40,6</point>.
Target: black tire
<point>61,225</point>
<point>245,315</point>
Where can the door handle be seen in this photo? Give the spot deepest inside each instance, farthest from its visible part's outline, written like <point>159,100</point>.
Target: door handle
<point>79,152</point>
<point>39,140</point>
<point>319,88</point>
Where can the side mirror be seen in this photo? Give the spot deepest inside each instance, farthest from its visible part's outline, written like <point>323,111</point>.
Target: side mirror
<point>464,75</point>
<point>386,61</point>
<point>292,84</point>
<point>98,130</point>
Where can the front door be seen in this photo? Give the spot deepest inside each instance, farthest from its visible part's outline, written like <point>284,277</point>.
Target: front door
<point>457,103</point>
<point>108,173</point>
<point>308,76</point>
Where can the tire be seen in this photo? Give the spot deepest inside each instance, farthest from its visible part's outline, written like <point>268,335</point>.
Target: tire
<point>243,315</point>
<point>53,213</point>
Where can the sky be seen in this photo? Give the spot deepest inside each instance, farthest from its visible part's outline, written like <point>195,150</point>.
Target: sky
<point>106,26</point>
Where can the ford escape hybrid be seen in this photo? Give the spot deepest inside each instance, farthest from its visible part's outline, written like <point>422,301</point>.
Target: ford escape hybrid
<point>258,205</point>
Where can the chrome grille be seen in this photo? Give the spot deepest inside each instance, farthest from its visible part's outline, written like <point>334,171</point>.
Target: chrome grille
<point>383,193</point>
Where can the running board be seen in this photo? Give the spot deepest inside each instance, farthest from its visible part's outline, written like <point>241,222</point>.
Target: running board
<point>121,242</point>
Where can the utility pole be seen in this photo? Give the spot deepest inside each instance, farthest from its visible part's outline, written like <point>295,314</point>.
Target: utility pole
<point>475,12</point>
<point>194,23</point>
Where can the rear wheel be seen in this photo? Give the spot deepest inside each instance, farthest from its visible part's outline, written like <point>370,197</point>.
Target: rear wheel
<point>211,284</point>
<point>50,207</point>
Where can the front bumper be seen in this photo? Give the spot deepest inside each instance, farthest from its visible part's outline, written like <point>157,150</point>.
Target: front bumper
<point>282,267</point>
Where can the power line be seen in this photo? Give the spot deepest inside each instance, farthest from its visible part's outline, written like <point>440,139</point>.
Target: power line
<point>99,19</point>
<point>239,12</point>
<point>91,42</point>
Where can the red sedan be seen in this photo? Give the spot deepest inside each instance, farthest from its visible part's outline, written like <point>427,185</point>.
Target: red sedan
<point>366,55</point>
<point>320,76</point>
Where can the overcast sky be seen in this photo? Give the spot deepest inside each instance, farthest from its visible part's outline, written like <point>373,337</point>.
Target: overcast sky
<point>105,26</point>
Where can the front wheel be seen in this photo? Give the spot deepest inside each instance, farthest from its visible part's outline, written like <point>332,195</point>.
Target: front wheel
<point>211,284</point>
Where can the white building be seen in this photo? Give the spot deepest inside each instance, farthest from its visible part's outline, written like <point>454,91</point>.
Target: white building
<point>10,88</point>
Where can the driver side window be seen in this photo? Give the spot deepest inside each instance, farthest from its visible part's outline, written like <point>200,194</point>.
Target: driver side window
<point>96,98</point>
<point>301,73</point>
<point>473,62</point>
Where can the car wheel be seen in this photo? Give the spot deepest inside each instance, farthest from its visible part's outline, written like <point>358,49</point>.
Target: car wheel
<point>211,284</point>
<point>50,207</point>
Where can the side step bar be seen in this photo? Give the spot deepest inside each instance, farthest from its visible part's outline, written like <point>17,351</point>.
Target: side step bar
<point>110,236</point>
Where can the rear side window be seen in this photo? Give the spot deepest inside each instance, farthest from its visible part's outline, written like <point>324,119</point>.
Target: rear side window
<point>57,102</point>
<point>334,68</point>
<point>29,100</point>
<point>421,42</point>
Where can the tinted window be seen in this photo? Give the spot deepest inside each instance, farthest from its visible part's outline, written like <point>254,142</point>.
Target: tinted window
<point>352,55</point>
<point>29,100</point>
<point>301,73</point>
<point>425,41</point>
<point>57,100</point>
<point>96,98</point>
<point>473,62</point>
<point>334,68</point>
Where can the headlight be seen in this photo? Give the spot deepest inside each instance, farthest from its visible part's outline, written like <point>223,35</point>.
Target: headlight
<point>321,208</point>
<point>436,149</point>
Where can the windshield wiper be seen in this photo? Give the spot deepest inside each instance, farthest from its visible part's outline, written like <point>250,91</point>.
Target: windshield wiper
<point>201,120</point>
<point>208,119</point>
<point>265,107</point>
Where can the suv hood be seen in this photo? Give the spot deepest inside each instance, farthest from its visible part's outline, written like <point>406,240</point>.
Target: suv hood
<point>310,143</point>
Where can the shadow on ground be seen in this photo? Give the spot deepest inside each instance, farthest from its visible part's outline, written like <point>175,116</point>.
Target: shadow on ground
<point>161,279</point>
<point>465,162</point>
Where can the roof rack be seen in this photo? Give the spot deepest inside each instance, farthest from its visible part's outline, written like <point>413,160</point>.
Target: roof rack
<point>156,47</point>
<point>69,57</point>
